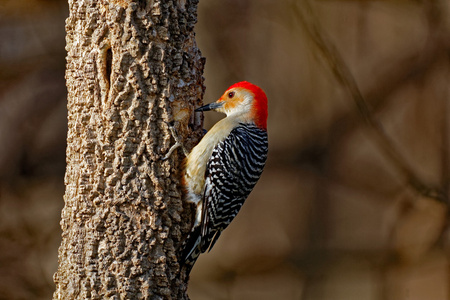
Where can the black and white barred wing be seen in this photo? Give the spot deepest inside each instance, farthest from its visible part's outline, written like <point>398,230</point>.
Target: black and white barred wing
<point>232,171</point>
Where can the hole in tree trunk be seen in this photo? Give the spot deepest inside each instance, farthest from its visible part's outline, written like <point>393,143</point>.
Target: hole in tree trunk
<point>108,61</point>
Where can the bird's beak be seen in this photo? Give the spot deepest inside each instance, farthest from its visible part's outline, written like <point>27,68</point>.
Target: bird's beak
<point>210,106</point>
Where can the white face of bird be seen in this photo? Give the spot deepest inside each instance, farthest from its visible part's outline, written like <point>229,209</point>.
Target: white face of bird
<point>236,100</point>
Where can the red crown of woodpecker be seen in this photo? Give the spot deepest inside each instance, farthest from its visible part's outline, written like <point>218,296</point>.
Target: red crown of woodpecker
<point>259,109</point>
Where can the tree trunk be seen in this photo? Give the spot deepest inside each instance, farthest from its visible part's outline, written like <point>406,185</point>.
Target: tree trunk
<point>132,67</point>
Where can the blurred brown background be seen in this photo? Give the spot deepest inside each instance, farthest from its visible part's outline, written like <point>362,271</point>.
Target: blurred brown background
<point>333,216</point>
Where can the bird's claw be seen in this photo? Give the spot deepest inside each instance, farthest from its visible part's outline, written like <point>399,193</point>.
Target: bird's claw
<point>177,144</point>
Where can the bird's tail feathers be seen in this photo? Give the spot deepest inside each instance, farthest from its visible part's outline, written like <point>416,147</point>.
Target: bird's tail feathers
<point>190,249</point>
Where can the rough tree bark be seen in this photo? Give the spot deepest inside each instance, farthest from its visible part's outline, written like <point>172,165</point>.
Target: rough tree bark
<point>132,67</point>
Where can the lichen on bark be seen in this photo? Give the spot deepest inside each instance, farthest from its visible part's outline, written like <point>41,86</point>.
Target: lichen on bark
<point>132,67</point>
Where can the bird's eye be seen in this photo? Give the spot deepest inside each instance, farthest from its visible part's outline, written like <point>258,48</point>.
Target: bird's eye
<point>230,95</point>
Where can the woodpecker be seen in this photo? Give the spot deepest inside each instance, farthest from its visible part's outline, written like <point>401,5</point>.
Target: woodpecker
<point>221,171</point>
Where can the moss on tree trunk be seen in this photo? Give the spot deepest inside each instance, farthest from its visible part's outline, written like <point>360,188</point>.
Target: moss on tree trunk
<point>132,66</point>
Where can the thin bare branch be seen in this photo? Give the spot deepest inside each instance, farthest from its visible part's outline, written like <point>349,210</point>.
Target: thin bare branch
<point>309,21</point>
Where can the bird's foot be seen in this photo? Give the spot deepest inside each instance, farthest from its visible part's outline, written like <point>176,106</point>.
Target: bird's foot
<point>177,144</point>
